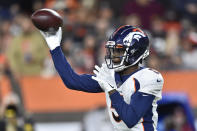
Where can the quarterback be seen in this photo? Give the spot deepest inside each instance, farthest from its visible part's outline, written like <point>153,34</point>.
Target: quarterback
<point>132,91</point>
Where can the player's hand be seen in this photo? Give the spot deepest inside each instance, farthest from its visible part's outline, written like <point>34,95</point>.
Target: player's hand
<point>105,77</point>
<point>53,39</point>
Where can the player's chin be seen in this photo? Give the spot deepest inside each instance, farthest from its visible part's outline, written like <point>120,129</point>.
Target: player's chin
<point>116,61</point>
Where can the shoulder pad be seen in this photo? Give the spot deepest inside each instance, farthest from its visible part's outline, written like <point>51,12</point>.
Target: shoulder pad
<point>151,82</point>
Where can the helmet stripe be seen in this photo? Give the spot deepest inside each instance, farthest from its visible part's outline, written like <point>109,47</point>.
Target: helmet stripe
<point>138,30</point>
<point>119,29</point>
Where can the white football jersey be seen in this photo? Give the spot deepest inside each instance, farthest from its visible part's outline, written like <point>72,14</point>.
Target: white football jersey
<point>151,82</point>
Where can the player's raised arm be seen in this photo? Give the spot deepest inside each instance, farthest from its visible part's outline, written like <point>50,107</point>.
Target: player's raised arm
<point>49,23</point>
<point>71,79</point>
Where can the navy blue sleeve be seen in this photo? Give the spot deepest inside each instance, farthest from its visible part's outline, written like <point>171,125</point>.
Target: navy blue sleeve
<point>133,112</point>
<point>71,79</point>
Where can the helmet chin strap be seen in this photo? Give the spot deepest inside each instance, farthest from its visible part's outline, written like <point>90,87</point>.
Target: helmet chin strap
<point>119,69</point>
<point>123,67</point>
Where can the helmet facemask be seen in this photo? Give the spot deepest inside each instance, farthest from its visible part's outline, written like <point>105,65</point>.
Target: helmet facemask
<point>116,56</point>
<point>119,57</point>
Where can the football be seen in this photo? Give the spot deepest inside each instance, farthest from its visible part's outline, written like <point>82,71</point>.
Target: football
<point>46,20</point>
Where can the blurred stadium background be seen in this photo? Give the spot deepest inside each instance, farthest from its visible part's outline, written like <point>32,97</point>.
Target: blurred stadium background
<point>32,96</point>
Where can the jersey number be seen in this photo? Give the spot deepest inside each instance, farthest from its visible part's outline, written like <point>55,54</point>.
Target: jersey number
<point>116,117</point>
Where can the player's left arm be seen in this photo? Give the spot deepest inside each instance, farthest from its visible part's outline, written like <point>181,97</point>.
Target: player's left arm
<point>133,112</point>
<point>141,102</point>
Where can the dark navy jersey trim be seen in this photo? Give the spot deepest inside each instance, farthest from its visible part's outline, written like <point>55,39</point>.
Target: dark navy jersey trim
<point>121,79</point>
<point>137,84</point>
<point>133,112</point>
<point>148,121</point>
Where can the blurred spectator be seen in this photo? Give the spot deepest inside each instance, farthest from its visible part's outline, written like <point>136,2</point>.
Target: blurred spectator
<point>38,4</point>
<point>101,123</point>
<point>145,9</point>
<point>185,8</point>
<point>6,35</point>
<point>191,11</point>
<point>48,68</point>
<point>2,65</point>
<point>9,99</point>
<point>84,58</point>
<point>100,53</point>
<point>69,4</point>
<point>189,51</point>
<point>89,4</point>
<point>27,52</point>
<point>133,20</point>
<point>28,123</point>
<point>89,52</point>
<point>154,61</point>
<point>103,29</point>
<point>177,121</point>
<point>11,116</point>
<point>158,34</point>
<point>10,120</point>
<point>106,13</point>
<point>11,113</point>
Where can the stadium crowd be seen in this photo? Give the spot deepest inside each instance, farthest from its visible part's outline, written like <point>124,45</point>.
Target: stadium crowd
<point>87,25</point>
<point>170,25</point>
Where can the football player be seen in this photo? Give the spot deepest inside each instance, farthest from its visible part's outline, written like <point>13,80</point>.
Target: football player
<point>131,91</point>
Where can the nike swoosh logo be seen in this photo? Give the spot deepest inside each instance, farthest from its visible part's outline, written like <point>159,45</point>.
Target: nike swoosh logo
<point>111,85</point>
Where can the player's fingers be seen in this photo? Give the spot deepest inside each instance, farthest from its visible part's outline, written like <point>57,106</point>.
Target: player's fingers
<point>104,65</point>
<point>100,70</point>
<point>102,73</point>
<point>105,68</point>
<point>108,71</point>
<point>96,72</point>
<point>97,68</point>
<point>95,78</point>
<point>98,79</point>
